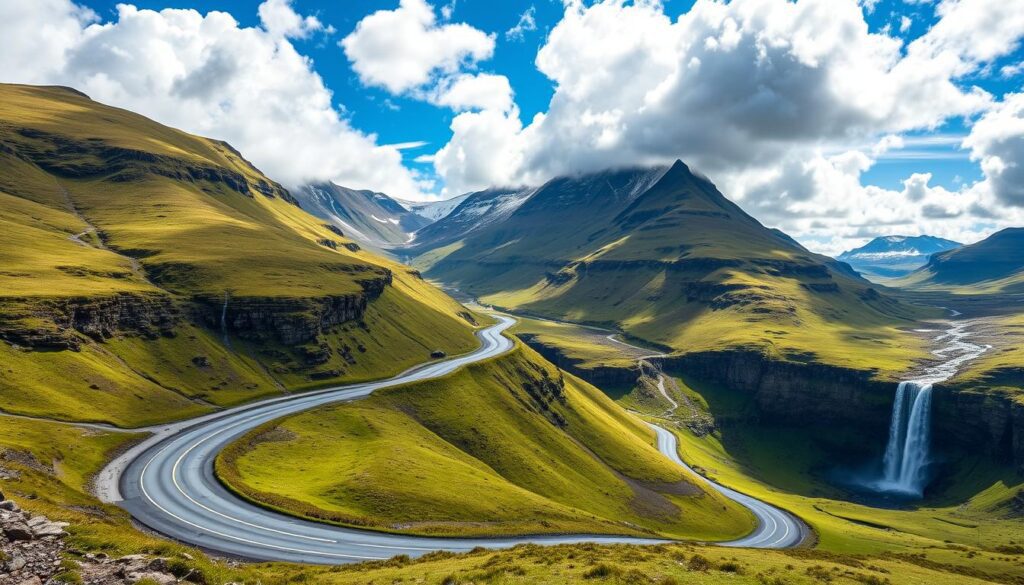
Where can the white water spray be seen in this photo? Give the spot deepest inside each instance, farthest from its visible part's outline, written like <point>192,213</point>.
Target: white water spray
<point>224,322</point>
<point>907,455</point>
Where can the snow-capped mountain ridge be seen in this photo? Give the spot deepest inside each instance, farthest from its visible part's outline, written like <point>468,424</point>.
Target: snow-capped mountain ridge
<point>894,256</point>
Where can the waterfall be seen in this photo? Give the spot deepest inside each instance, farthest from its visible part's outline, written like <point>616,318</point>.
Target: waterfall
<point>906,459</point>
<point>224,321</point>
<point>906,456</point>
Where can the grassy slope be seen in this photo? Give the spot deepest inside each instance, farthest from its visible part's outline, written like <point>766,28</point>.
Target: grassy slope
<point>961,526</point>
<point>630,565</point>
<point>795,324</point>
<point>991,266</point>
<point>585,347</point>
<point>48,465</point>
<point>474,453</point>
<point>83,222</point>
<point>680,266</point>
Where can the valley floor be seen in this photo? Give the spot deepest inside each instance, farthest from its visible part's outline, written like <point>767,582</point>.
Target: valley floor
<point>970,533</point>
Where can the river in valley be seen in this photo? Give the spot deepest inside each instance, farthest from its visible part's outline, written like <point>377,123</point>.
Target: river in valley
<point>907,459</point>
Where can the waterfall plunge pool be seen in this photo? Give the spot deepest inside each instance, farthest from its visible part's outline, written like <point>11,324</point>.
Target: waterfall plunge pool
<point>907,461</point>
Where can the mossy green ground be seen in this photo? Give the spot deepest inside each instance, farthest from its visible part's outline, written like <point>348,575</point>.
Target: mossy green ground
<point>83,222</point>
<point>49,464</point>
<point>483,451</point>
<point>963,525</point>
<point>585,347</point>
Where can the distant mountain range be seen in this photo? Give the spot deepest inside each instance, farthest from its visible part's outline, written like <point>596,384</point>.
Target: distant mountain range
<point>894,256</point>
<point>475,211</point>
<point>433,210</point>
<point>657,252</point>
<point>995,264</point>
<point>370,217</point>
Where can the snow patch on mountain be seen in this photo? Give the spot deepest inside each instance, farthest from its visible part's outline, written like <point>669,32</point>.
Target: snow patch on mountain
<point>893,256</point>
<point>434,210</point>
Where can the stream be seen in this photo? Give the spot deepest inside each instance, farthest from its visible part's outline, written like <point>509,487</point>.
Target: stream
<point>907,456</point>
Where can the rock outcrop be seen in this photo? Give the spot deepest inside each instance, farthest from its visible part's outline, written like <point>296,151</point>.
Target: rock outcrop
<point>31,546</point>
<point>33,552</point>
<point>289,320</point>
<point>54,323</point>
<point>988,420</point>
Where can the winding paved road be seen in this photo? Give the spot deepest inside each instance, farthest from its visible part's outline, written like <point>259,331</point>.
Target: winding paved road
<point>776,528</point>
<point>167,483</point>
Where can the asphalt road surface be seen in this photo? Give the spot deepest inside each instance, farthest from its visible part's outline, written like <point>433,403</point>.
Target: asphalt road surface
<point>167,483</point>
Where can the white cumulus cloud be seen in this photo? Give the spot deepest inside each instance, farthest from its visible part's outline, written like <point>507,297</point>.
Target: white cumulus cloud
<point>760,95</point>
<point>280,19</point>
<point>207,75</point>
<point>997,142</point>
<point>468,91</point>
<point>404,48</point>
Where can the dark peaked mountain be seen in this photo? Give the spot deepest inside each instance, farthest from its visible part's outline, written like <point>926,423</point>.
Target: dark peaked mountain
<point>662,254</point>
<point>474,211</point>
<point>893,256</point>
<point>368,216</point>
<point>995,264</point>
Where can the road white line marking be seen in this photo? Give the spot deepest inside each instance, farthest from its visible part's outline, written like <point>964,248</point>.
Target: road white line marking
<point>770,519</point>
<point>494,344</point>
<point>145,492</point>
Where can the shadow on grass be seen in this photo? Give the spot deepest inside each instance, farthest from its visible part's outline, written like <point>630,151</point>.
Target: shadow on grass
<point>817,460</point>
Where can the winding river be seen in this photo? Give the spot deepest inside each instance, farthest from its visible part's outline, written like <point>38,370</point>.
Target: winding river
<point>908,451</point>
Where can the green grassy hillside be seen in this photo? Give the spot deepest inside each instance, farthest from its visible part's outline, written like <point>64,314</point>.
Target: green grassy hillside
<point>796,468</point>
<point>581,346</point>
<point>663,256</point>
<point>47,466</point>
<point>509,446</point>
<point>994,265</point>
<point>158,275</point>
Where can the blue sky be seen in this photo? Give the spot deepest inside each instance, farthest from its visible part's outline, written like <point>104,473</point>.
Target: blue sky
<point>834,120</point>
<point>398,119</point>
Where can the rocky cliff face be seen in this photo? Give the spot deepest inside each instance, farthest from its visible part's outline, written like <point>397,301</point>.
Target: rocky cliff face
<point>806,394</point>
<point>600,376</point>
<point>793,392</point>
<point>991,421</point>
<point>813,394</point>
<point>65,323</point>
<point>54,323</point>
<point>290,321</point>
